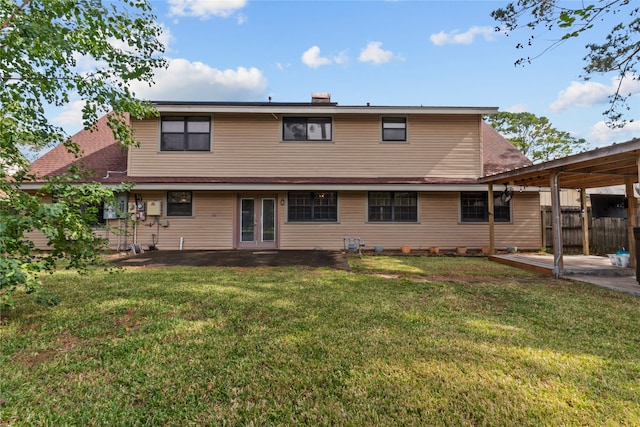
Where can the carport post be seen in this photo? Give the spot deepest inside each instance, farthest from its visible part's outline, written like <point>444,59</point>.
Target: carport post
<point>556,224</point>
<point>632,220</point>
<point>585,221</point>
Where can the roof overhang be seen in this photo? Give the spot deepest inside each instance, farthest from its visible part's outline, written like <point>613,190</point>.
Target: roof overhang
<point>247,187</point>
<point>602,167</point>
<point>313,187</point>
<point>310,108</point>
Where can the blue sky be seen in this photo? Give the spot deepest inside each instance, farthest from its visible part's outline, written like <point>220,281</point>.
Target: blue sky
<point>431,53</point>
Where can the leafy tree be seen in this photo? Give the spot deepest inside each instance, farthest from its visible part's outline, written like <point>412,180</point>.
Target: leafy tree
<point>534,136</point>
<point>43,44</point>
<point>619,53</point>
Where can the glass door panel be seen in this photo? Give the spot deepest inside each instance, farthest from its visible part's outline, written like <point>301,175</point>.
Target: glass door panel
<point>247,220</point>
<point>268,220</point>
<point>257,218</point>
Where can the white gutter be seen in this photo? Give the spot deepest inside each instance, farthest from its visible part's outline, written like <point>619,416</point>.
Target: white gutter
<point>315,109</point>
<point>171,186</point>
<point>323,187</point>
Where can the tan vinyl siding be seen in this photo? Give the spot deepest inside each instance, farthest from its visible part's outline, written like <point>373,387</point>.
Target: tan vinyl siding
<point>38,239</point>
<point>211,226</point>
<point>438,225</point>
<point>438,146</point>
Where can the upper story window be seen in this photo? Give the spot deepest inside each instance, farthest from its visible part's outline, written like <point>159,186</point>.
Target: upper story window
<point>306,206</point>
<point>393,206</point>
<point>185,133</point>
<point>394,129</point>
<point>474,207</point>
<point>306,129</point>
<point>179,203</point>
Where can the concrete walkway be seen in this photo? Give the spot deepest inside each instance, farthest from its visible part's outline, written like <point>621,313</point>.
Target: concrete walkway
<point>626,284</point>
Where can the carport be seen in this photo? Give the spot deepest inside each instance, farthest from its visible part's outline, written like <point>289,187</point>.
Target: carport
<point>618,164</point>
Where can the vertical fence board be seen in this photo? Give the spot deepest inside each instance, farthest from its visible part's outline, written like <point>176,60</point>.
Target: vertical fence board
<point>606,235</point>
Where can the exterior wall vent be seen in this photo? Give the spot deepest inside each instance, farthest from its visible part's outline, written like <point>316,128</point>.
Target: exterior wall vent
<point>320,98</point>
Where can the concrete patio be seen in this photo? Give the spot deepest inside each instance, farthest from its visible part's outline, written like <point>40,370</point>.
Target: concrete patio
<point>592,269</point>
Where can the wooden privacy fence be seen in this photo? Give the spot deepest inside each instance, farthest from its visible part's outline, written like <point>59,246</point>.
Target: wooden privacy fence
<point>606,235</point>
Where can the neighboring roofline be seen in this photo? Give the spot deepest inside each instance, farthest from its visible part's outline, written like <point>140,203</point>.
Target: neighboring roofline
<point>559,164</point>
<point>308,107</point>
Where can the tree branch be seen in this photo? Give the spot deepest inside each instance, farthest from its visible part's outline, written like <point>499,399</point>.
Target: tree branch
<point>14,14</point>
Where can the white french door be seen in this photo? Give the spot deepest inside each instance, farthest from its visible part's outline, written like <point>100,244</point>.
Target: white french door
<point>257,222</point>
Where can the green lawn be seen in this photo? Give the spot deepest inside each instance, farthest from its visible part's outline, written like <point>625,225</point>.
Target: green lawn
<point>398,341</point>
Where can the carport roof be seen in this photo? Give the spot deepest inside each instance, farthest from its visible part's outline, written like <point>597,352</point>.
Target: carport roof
<point>602,167</point>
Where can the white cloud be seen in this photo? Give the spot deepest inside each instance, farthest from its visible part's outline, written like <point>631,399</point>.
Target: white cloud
<point>242,18</point>
<point>70,117</point>
<point>166,38</point>
<point>87,63</point>
<point>312,58</point>
<point>518,108</point>
<point>602,135</point>
<point>181,81</point>
<point>205,9</point>
<point>195,81</point>
<point>588,94</point>
<point>581,94</point>
<point>374,53</point>
<point>341,58</point>
<point>468,37</point>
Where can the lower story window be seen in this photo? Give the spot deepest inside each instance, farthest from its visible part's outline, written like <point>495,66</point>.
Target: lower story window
<point>474,207</point>
<point>179,203</point>
<point>305,206</point>
<point>94,215</point>
<point>393,206</point>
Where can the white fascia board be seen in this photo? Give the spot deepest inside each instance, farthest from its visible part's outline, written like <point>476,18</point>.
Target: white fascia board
<point>321,187</point>
<point>330,109</point>
<point>308,187</point>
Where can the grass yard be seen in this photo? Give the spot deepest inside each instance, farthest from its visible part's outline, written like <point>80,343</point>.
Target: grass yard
<point>397,341</point>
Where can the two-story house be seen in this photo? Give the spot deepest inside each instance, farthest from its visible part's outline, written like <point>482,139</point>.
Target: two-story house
<point>239,175</point>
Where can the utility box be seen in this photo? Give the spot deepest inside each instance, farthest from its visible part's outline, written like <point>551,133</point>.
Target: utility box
<point>110,210</point>
<point>154,208</point>
<point>115,207</point>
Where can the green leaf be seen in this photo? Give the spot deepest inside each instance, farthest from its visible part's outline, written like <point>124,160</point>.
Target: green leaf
<point>40,43</point>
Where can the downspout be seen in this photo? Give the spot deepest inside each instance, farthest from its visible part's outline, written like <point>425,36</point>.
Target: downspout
<point>108,175</point>
<point>557,226</point>
<point>492,234</point>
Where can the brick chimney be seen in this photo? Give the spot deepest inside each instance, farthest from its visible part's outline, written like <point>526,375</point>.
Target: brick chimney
<point>320,98</point>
